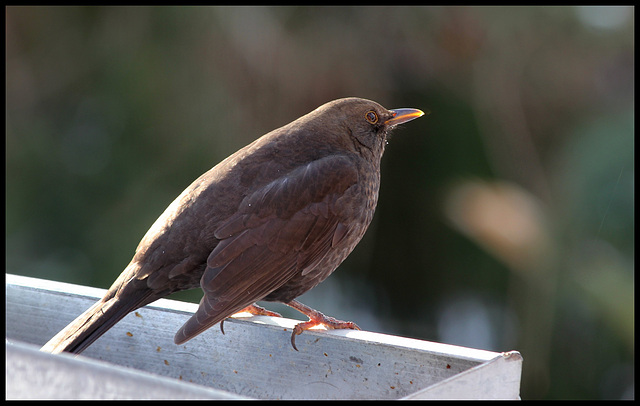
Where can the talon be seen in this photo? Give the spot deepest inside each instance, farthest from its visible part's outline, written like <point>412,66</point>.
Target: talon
<point>316,319</point>
<point>293,339</point>
<point>256,311</point>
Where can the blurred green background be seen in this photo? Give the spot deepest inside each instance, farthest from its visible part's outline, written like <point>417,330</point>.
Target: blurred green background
<point>505,219</point>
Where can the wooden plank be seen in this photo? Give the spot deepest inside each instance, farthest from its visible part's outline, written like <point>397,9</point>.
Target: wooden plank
<point>32,374</point>
<point>497,379</point>
<point>254,358</point>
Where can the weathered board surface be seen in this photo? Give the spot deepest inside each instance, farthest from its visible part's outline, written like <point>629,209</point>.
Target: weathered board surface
<point>137,359</point>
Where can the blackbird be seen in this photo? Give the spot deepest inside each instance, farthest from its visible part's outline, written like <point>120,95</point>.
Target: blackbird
<point>268,223</point>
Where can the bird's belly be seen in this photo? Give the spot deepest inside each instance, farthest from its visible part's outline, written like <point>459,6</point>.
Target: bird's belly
<point>302,282</point>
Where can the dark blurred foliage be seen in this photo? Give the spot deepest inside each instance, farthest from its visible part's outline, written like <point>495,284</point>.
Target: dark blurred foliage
<point>505,218</point>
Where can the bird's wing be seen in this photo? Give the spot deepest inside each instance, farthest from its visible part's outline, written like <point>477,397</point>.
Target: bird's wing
<point>281,229</point>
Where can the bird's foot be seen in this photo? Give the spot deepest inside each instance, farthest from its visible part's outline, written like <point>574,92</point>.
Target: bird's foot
<point>256,311</point>
<point>259,311</point>
<point>316,319</point>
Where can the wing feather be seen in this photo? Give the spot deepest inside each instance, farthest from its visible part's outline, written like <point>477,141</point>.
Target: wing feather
<point>281,229</point>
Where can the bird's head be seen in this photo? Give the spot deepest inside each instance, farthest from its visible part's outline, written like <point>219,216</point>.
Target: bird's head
<point>363,123</point>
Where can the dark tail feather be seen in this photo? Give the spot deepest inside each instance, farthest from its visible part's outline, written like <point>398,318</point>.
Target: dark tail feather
<point>93,323</point>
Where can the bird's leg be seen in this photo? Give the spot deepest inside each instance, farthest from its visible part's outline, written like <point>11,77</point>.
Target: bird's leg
<point>256,311</point>
<point>315,319</point>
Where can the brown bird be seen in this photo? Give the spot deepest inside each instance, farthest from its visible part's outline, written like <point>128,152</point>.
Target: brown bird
<point>267,223</point>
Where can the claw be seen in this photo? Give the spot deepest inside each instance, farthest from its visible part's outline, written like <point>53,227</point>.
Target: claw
<point>293,339</point>
<point>315,319</point>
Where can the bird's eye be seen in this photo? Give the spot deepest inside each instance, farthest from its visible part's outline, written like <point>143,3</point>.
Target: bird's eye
<point>371,117</point>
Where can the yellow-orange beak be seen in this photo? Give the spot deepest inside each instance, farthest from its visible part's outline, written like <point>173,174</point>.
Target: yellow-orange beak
<point>402,116</point>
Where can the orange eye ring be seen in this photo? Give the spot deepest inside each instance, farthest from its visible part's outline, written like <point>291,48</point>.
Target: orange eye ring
<point>371,117</point>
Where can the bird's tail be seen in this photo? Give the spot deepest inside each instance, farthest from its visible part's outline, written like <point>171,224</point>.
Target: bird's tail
<point>94,322</point>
